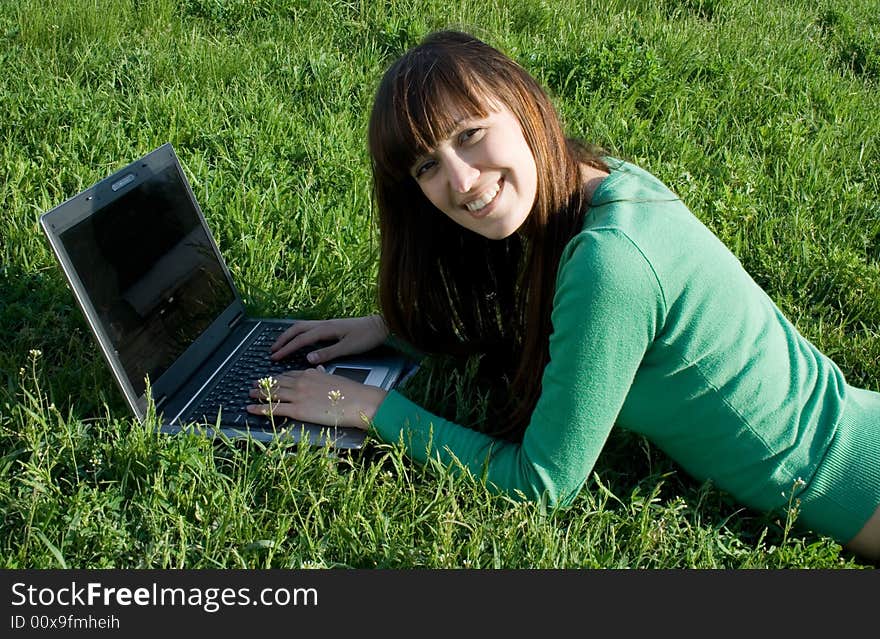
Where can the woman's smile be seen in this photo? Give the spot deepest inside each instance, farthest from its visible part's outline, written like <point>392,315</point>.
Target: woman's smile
<point>484,199</point>
<point>485,202</point>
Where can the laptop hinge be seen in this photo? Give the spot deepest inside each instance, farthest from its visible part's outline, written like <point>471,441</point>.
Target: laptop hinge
<point>235,320</point>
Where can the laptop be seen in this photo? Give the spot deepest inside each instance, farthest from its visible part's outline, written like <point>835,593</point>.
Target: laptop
<point>160,300</point>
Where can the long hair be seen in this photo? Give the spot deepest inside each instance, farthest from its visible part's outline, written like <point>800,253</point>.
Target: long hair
<point>446,289</point>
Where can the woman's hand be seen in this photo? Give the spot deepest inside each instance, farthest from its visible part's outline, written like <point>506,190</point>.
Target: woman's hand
<point>313,395</point>
<point>352,335</point>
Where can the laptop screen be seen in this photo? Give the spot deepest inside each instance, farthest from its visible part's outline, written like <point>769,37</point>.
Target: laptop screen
<point>151,272</point>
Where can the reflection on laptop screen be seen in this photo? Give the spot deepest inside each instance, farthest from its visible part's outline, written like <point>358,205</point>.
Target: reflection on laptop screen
<point>152,273</point>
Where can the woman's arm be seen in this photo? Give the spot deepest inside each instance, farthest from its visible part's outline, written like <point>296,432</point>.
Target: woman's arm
<point>607,310</point>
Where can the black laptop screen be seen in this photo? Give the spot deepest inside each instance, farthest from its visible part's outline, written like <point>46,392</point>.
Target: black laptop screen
<point>151,272</point>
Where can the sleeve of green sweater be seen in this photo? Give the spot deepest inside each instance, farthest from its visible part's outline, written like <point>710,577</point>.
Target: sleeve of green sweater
<point>607,309</point>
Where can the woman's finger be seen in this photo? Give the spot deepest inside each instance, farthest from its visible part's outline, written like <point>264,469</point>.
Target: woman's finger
<point>295,329</point>
<point>322,331</point>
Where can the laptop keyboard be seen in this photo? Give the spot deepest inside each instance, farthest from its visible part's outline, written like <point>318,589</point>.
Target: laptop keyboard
<point>229,397</point>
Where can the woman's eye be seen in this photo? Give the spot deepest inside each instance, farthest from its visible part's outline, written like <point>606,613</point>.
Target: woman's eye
<point>423,168</point>
<point>471,135</point>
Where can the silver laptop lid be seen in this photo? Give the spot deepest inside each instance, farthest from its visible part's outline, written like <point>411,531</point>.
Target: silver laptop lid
<point>146,272</point>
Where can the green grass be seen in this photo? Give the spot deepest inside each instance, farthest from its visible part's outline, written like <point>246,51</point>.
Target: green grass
<point>761,115</point>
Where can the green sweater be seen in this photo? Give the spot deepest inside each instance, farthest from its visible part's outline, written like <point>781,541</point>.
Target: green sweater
<point>658,329</point>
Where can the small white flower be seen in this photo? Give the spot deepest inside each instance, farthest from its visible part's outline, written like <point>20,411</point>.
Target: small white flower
<point>335,396</point>
<point>268,384</point>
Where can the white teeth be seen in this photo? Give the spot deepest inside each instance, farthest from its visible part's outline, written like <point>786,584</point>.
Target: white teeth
<point>484,199</point>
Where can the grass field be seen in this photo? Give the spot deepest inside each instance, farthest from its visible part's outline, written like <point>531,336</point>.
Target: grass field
<point>762,115</point>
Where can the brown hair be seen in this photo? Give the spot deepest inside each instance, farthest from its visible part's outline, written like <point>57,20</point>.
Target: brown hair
<point>443,288</point>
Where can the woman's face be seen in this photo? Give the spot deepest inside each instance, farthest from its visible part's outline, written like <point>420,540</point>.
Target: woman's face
<point>483,176</point>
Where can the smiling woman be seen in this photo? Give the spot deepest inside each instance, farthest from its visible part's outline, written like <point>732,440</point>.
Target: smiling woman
<point>599,299</point>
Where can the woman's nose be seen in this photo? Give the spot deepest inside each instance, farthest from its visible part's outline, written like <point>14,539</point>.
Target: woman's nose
<point>461,174</point>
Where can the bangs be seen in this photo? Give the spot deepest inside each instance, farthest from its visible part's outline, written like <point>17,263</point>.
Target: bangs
<point>420,105</point>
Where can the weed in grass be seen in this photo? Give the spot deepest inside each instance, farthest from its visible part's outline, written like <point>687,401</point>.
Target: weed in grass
<point>268,386</point>
<point>793,509</point>
<point>336,410</point>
